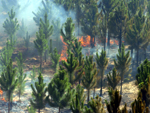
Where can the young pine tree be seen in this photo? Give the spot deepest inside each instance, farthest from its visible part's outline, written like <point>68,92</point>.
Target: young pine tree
<point>31,109</point>
<point>96,106</point>
<point>71,65</point>
<point>89,78</point>
<point>102,63</point>
<point>9,82</point>
<point>77,51</point>
<point>11,26</point>
<point>78,102</point>
<point>6,55</point>
<point>41,44</point>
<point>21,77</point>
<point>55,60</point>
<point>123,63</point>
<point>113,79</point>
<point>27,40</point>
<point>47,30</point>
<point>39,94</point>
<point>59,90</point>
<point>68,36</point>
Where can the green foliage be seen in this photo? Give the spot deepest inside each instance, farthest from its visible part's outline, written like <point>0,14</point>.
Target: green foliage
<point>40,14</point>
<point>40,43</point>
<point>102,62</point>
<point>89,77</point>
<point>50,47</point>
<point>90,20</point>
<point>59,90</point>
<point>123,63</point>
<point>9,82</point>
<point>117,21</point>
<point>135,32</point>
<point>21,77</point>
<point>31,109</point>
<point>6,55</point>
<point>113,79</point>
<point>80,92</point>
<point>27,40</point>
<point>76,106</point>
<point>55,59</point>
<point>39,94</point>
<point>68,36</point>
<point>47,30</point>
<point>96,106</point>
<point>11,26</point>
<point>138,106</point>
<point>71,65</point>
<point>33,75</point>
<point>115,100</point>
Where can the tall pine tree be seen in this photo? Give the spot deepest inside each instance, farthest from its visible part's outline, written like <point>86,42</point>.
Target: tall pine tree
<point>102,63</point>
<point>123,63</point>
<point>89,77</point>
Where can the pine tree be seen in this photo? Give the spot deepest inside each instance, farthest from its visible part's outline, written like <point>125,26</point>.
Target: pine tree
<point>102,63</point>
<point>79,100</point>
<point>47,8</point>
<point>55,60</point>
<point>71,66</point>
<point>56,34</point>
<point>115,100</point>
<point>123,63</point>
<point>41,44</point>
<point>107,6</point>
<point>117,22</point>
<point>138,106</point>
<point>6,55</point>
<point>96,106</point>
<point>21,77</point>
<point>90,20</point>
<point>33,75</point>
<point>59,90</point>
<point>9,82</point>
<point>47,29</point>
<point>89,78</point>
<point>27,40</point>
<point>50,46</point>
<point>113,79</point>
<point>68,36</point>
<point>11,26</point>
<point>77,51</point>
<point>75,106</point>
<point>134,32</point>
<point>39,94</point>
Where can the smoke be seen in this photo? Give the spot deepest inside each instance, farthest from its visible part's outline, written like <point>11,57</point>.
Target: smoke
<point>29,6</point>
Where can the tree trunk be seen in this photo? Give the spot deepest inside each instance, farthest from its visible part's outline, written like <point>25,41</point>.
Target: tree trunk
<point>145,54</point>
<point>94,93</point>
<point>132,57</point>
<point>105,44</point>
<point>108,43</point>
<point>59,109</point>
<point>88,97</point>
<point>121,86</point>
<point>45,55</point>
<point>137,58</point>
<point>41,63</point>
<point>101,87</point>
<point>39,110</point>
<point>9,106</point>
<point>120,40</point>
